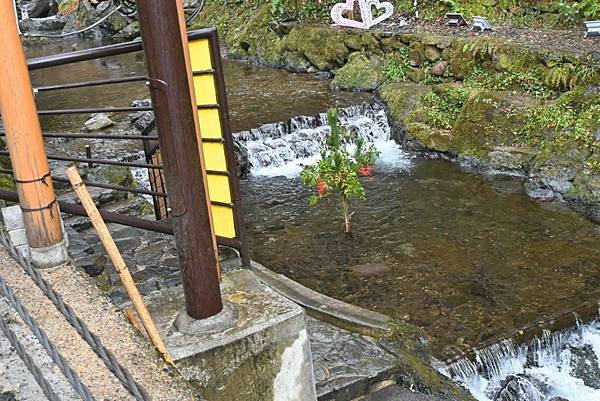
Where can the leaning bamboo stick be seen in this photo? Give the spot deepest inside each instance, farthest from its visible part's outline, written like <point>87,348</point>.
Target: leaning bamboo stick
<point>118,262</point>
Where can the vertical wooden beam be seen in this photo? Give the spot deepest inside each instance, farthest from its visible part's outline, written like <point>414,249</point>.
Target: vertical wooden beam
<point>180,150</point>
<point>24,138</point>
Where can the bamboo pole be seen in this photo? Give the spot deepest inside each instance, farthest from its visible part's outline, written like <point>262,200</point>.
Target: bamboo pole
<point>24,138</point>
<point>118,262</point>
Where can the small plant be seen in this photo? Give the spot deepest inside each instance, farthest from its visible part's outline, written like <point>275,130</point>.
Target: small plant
<point>337,174</point>
<point>443,109</point>
<point>277,8</point>
<point>397,66</point>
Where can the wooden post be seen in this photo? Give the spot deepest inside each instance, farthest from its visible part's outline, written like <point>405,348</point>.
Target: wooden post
<point>24,138</point>
<point>118,262</point>
<point>179,139</point>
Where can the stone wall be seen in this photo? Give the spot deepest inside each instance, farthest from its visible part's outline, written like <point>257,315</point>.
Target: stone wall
<point>503,104</point>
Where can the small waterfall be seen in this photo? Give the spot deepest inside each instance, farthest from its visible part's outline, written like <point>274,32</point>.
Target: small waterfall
<point>281,148</point>
<point>564,364</point>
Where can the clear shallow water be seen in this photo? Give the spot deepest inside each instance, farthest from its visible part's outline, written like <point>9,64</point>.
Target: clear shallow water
<point>256,95</point>
<point>465,257</point>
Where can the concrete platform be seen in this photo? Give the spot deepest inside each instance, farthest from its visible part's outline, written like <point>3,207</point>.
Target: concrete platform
<point>257,351</point>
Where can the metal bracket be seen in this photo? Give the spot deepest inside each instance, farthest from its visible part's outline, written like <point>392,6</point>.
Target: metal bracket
<point>41,179</point>
<point>39,209</point>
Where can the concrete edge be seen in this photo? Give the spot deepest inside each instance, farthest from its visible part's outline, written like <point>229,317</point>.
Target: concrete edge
<point>336,312</point>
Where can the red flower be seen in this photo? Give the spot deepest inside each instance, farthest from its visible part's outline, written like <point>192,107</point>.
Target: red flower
<point>321,187</point>
<point>365,170</point>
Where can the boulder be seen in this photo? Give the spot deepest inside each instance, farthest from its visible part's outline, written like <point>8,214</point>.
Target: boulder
<point>361,73</point>
<point>432,53</point>
<point>324,47</point>
<point>440,68</point>
<point>43,9</point>
<point>296,62</point>
<point>518,388</point>
<point>98,121</point>
<point>488,119</point>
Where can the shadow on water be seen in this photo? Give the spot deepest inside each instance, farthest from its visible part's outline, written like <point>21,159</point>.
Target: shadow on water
<point>466,257</point>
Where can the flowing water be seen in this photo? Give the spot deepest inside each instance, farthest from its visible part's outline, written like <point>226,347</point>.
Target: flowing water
<point>468,257</point>
<point>563,364</point>
<point>465,256</point>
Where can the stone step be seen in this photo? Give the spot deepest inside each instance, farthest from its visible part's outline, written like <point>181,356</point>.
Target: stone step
<point>347,365</point>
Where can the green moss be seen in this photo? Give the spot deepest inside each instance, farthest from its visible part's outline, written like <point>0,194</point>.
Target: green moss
<point>360,74</point>
<point>244,29</point>
<point>324,47</point>
<point>402,98</point>
<point>411,345</point>
<point>442,107</point>
<point>489,119</point>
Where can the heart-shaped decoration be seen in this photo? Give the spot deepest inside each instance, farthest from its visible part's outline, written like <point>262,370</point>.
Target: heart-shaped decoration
<point>388,12</point>
<point>365,13</point>
<point>338,9</point>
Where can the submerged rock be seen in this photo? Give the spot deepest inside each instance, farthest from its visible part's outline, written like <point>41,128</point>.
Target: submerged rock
<point>43,9</point>
<point>98,122</point>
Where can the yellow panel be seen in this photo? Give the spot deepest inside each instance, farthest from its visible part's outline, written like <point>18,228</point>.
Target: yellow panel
<point>210,124</point>
<point>200,55</point>
<point>204,87</point>
<point>223,220</point>
<point>218,188</point>
<point>214,156</point>
<point>210,127</point>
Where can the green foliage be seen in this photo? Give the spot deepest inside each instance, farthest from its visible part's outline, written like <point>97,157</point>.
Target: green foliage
<point>443,108</point>
<point>572,13</point>
<point>565,119</point>
<point>336,173</point>
<point>530,82</point>
<point>277,8</point>
<point>481,48</point>
<point>397,66</point>
<point>454,5</point>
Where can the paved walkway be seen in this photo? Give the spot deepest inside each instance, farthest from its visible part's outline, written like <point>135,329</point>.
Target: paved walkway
<point>102,317</point>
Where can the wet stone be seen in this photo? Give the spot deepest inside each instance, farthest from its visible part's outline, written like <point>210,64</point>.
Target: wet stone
<point>346,364</point>
<point>585,366</point>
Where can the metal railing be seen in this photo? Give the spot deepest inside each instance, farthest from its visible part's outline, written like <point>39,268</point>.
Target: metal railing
<point>153,162</point>
<point>146,137</point>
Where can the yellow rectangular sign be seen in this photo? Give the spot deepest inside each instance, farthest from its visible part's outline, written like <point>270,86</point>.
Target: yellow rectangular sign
<point>213,146</point>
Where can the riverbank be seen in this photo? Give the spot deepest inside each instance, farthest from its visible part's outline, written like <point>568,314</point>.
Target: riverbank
<point>503,101</point>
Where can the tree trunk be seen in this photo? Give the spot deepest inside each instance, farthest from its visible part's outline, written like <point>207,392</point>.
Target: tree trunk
<point>347,215</point>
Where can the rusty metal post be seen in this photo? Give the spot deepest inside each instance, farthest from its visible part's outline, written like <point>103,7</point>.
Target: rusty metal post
<point>24,139</point>
<point>165,49</point>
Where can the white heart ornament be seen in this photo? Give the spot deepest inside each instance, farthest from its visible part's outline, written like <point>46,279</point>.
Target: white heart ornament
<point>338,9</point>
<point>389,11</point>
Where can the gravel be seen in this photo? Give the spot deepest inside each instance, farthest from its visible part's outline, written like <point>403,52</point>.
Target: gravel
<point>103,318</point>
<point>565,40</point>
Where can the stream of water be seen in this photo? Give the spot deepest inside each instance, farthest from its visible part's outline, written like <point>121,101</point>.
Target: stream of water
<point>468,257</point>
<point>563,364</point>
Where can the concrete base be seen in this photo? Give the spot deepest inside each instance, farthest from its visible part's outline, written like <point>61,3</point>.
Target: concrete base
<point>257,349</point>
<point>52,256</point>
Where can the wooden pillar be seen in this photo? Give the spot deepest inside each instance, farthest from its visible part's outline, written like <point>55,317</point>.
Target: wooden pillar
<point>165,48</point>
<point>24,138</point>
